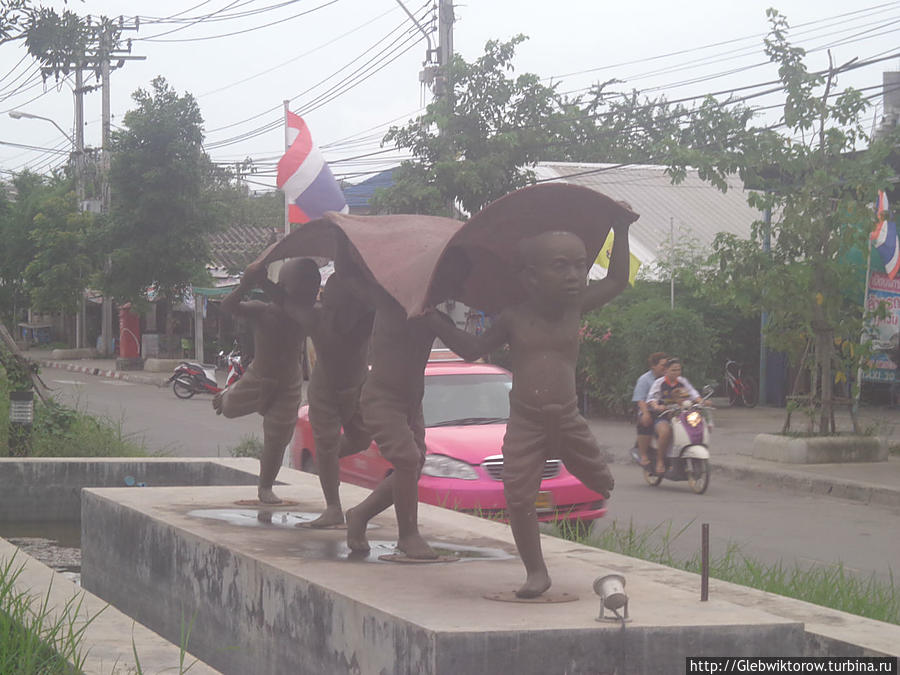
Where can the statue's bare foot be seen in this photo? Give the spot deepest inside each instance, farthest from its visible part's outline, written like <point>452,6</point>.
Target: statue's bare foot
<point>267,496</point>
<point>413,546</point>
<point>535,585</point>
<point>332,515</point>
<point>217,402</point>
<point>356,532</point>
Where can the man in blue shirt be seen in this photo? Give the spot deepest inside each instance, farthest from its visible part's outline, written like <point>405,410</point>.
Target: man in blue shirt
<point>670,389</point>
<point>657,363</point>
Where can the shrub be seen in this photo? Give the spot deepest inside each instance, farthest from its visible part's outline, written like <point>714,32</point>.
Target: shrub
<point>616,342</point>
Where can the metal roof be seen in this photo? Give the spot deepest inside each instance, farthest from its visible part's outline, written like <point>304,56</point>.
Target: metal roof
<point>694,209</point>
<point>358,195</point>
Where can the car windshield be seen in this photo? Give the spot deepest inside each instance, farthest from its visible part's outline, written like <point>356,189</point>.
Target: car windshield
<point>466,399</point>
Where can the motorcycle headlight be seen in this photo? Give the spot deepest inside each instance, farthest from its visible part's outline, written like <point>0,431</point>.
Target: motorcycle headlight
<point>441,466</point>
<point>694,418</point>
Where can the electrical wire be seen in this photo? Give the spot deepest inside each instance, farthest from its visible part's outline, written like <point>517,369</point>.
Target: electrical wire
<point>332,92</point>
<point>716,44</point>
<point>297,58</point>
<point>270,125</point>
<point>245,30</point>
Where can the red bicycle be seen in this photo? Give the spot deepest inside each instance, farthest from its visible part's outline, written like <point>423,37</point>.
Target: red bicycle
<point>741,387</point>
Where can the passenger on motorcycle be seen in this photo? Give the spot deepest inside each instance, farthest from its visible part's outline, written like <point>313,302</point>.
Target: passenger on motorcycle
<point>670,389</point>
<point>643,414</point>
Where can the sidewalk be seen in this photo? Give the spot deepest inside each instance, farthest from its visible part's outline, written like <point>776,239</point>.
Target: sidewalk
<point>98,367</point>
<point>731,444</point>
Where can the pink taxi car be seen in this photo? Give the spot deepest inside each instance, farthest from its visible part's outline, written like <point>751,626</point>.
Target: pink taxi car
<point>466,406</point>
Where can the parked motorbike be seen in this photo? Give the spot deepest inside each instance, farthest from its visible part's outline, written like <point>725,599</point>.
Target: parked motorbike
<point>192,378</point>
<point>688,458</point>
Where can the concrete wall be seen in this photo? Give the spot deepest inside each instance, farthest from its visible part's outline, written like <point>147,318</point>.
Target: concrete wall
<point>49,489</point>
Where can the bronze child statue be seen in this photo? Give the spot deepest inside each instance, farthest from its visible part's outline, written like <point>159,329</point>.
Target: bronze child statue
<point>340,334</point>
<point>542,334</point>
<point>391,403</point>
<point>272,385</point>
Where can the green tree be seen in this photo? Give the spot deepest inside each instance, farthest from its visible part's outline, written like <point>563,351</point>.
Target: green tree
<point>160,179</point>
<point>18,249</point>
<point>66,251</point>
<point>477,143</point>
<point>818,178</point>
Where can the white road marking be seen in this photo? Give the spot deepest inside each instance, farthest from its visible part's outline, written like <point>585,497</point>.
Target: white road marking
<point>117,383</point>
<point>67,381</point>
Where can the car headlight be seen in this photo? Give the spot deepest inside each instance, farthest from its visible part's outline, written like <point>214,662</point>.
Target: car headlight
<point>694,418</point>
<point>441,466</point>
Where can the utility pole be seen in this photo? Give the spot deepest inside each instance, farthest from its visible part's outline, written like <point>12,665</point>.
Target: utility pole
<point>108,34</point>
<point>445,46</point>
<point>79,185</point>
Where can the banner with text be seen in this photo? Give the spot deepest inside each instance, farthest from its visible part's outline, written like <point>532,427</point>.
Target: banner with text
<point>885,332</point>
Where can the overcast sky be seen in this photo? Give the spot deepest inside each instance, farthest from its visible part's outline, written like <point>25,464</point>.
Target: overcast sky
<point>311,51</point>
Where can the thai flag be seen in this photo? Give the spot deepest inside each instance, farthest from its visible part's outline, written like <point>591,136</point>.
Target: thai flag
<point>305,178</point>
<point>885,236</point>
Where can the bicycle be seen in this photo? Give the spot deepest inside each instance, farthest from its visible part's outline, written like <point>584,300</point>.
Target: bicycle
<point>740,386</point>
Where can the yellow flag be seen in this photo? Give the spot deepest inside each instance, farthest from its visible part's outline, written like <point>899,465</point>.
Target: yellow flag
<point>606,251</point>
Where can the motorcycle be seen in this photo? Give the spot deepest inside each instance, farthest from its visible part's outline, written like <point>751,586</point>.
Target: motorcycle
<point>192,378</point>
<point>688,458</point>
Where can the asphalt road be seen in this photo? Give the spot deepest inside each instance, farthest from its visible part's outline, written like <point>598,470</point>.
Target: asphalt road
<point>767,524</point>
<point>153,415</point>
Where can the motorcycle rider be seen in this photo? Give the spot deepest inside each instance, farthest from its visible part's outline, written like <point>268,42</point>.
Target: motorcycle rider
<point>643,415</point>
<point>670,389</point>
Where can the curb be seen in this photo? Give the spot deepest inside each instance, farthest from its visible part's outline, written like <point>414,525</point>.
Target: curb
<point>99,372</point>
<point>798,482</point>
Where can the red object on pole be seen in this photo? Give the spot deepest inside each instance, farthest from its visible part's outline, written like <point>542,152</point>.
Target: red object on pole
<point>129,333</point>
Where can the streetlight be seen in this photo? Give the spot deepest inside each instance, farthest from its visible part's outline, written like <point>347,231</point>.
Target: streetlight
<point>18,115</point>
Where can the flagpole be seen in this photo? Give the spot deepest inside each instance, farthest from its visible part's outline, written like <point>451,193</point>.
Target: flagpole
<point>287,145</point>
<point>859,370</point>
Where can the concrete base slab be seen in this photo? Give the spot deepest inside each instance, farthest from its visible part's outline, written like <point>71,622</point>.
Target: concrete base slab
<point>268,597</point>
<point>819,449</point>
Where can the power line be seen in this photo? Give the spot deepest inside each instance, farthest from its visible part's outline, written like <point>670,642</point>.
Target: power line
<point>297,58</point>
<point>275,123</point>
<point>245,30</point>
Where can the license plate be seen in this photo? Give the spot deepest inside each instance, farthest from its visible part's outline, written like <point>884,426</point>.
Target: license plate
<point>544,501</point>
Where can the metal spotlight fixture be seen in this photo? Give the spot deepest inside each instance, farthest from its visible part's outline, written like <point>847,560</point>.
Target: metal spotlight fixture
<point>611,589</point>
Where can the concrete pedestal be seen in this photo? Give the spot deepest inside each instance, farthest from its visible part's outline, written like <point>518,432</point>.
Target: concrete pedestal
<point>266,597</point>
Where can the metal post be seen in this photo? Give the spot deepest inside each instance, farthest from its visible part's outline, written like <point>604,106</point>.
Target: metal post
<point>764,318</point>
<point>198,328</point>
<point>287,146</point>
<point>704,562</point>
<point>672,262</point>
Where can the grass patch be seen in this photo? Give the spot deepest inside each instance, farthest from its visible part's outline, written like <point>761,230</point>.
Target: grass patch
<point>830,586</point>
<point>35,638</point>
<point>61,431</point>
<point>248,446</point>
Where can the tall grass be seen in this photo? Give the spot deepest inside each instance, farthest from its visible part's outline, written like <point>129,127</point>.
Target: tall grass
<point>61,431</point>
<point>829,586</point>
<point>36,638</point>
